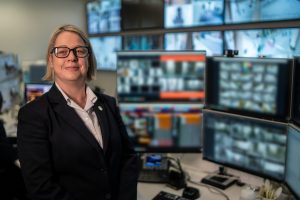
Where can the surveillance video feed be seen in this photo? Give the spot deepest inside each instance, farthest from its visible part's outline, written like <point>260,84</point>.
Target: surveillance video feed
<point>105,49</point>
<point>248,144</point>
<point>273,43</point>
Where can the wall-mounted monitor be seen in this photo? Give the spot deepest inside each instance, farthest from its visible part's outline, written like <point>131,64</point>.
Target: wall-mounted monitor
<point>142,14</point>
<point>163,127</point>
<point>142,42</point>
<point>259,87</point>
<point>180,14</point>
<point>246,11</point>
<point>292,170</point>
<point>274,43</point>
<point>248,144</point>
<point>210,41</point>
<point>178,41</point>
<point>105,49</point>
<point>161,76</point>
<point>35,90</point>
<point>295,108</point>
<point>103,16</point>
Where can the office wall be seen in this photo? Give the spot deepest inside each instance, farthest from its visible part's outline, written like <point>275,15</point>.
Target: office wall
<point>26,26</point>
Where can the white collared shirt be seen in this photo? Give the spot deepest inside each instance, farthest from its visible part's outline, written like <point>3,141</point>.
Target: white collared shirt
<point>87,114</point>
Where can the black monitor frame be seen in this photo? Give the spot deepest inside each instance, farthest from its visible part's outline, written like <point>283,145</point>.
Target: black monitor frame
<point>234,165</point>
<point>295,100</point>
<point>282,112</point>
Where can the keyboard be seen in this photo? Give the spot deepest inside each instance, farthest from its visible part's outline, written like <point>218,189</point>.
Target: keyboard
<point>153,176</point>
<point>168,196</point>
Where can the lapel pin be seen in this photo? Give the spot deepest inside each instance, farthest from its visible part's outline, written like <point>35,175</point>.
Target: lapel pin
<point>100,108</point>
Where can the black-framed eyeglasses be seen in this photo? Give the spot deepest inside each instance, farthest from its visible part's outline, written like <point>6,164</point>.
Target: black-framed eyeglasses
<point>63,52</point>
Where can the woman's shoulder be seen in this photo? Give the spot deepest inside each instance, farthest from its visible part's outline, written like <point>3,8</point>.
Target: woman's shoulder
<point>38,105</point>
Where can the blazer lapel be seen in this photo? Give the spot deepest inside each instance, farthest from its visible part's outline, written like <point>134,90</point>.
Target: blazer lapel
<point>70,116</point>
<point>101,112</point>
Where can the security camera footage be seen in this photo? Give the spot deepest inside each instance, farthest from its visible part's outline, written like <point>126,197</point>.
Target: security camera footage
<point>248,144</point>
<point>163,127</point>
<point>252,86</point>
<point>161,76</point>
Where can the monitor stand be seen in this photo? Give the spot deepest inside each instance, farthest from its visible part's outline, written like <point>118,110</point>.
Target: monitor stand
<point>220,179</point>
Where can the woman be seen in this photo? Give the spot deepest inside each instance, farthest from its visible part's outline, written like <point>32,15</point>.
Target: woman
<point>72,142</point>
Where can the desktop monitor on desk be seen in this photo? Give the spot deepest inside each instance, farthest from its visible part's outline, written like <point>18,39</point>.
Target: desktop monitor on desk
<point>292,170</point>
<point>248,144</point>
<point>257,87</point>
<point>35,90</point>
<point>161,76</point>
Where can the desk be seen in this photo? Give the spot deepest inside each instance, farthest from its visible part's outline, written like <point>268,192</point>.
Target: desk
<point>197,169</point>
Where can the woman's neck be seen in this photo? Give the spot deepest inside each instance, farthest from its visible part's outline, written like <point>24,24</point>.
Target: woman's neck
<point>76,92</point>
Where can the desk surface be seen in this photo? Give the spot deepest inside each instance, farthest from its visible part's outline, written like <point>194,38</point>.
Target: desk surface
<point>197,169</point>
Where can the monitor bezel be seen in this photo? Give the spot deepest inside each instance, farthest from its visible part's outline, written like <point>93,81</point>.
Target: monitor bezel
<point>296,68</point>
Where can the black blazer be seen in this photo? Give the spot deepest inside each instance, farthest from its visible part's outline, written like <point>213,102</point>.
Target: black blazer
<point>61,159</point>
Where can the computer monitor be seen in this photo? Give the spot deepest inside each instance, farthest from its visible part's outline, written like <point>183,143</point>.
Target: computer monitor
<point>163,128</point>
<point>105,49</point>
<point>143,42</point>
<point>295,108</point>
<point>161,76</point>
<point>103,16</point>
<point>180,14</point>
<point>248,144</point>
<point>273,43</point>
<point>292,170</point>
<point>258,87</point>
<point>246,11</point>
<point>35,90</point>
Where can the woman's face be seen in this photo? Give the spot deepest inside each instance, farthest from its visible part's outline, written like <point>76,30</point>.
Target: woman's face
<point>72,68</point>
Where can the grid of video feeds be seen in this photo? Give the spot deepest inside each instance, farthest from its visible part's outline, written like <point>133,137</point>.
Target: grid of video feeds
<point>188,13</point>
<point>248,144</point>
<point>161,76</point>
<point>35,90</point>
<point>274,43</point>
<point>105,49</point>
<point>292,177</point>
<point>103,16</point>
<point>253,85</point>
<point>9,80</point>
<point>163,127</point>
<point>245,11</point>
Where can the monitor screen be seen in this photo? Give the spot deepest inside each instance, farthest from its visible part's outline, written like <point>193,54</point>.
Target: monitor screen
<point>9,81</point>
<point>179,14</point>
<point>274,43</point>
<point>142,14</point>
<point>35,90</point>
<point>258,87</point>
<point>245,11</point>
<point>295,111</point>
<point>163,127</point>
<point>292,171</point>
<point>143,42</point>
<point>103,16</point>
<point>105,49</point>
<point>178,41</point>
<point>160,76</point>
<point>248,144</point>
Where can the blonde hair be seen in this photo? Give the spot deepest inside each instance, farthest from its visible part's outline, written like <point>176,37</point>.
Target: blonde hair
<point>49,76</point>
